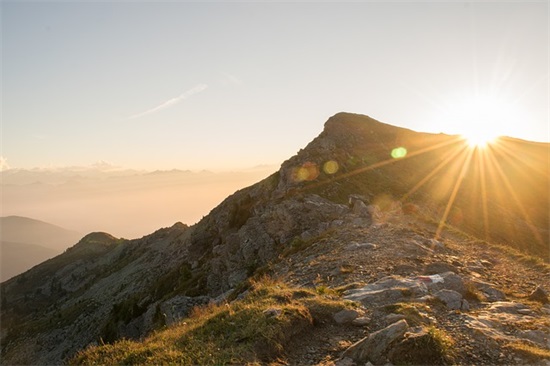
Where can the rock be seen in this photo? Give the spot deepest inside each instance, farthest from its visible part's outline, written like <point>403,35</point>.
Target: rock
<point>452,299</point>
<point>539,295</point>
<point>392,318</point>
<point>179,307</point>
<point>449,281</point>
<point>360,209</point>
<point>272,312</point>
<point>419,348</point>
<point>344,362</point>
<point>361,321</point>
<point>491,293</point>
<point>374,347</point>
<point>439,267</point>
<point>345,316</point>
<point>536,336</point>
<point>354,246</point>
<point>387,290</point>
<point>508,307</point>
<point>436,244</point>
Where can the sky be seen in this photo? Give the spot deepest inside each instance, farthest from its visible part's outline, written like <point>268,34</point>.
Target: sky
<point>232,85</point>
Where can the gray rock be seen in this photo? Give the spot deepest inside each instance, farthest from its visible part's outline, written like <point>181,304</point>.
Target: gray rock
<point>449,281</point>
<point>374,347</point>
<point>536,336</point>
<point>492,294</point>
<point>344,362</point>
<point>361,321</point>
<point>437,244</point>
<point>387,290</point>
<point>360,209</point>
<point>439,267</point>
<point>179,307</point>
<point>508,307</point>
<point>539,295</point>
<point>392,318</point>
<point>452,299</point>
<point>355,246</point>
<point>345,316</point>
<point>272,312</point>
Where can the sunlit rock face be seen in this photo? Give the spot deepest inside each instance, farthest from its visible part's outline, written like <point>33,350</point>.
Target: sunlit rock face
<point>493,192</point>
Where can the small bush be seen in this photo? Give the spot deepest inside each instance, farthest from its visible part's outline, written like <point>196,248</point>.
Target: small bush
<point>431,347</point>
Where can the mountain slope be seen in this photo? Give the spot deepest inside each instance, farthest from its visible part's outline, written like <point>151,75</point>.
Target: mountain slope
<point>340,214</point>
<point>15,258</point>
<point>27,242</point>
<point>20,229</point>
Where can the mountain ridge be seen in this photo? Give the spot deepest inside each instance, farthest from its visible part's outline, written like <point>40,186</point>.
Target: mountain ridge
<point>37,241</point>
<point>341,212</point>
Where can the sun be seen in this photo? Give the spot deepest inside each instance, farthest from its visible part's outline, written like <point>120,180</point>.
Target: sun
<point>481,119</point>
<point>480,139</point>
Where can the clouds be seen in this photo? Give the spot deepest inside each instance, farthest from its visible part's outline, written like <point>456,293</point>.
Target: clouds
<point>3,164</point>
<point>170,102</point>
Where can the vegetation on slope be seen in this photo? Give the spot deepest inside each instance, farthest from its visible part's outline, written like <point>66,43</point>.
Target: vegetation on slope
<point>253,329</point>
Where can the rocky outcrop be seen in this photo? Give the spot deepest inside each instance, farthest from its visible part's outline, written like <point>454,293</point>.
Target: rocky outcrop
<point>389,289</point>
<point>374,347</point>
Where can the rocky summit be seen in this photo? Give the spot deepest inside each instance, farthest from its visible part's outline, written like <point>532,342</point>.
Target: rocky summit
<point>373,245</point>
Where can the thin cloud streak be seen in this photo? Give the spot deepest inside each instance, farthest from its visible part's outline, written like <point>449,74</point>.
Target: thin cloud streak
<point>170,102</point>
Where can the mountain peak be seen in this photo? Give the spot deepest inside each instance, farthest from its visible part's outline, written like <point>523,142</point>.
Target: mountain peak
<point>97,239</point>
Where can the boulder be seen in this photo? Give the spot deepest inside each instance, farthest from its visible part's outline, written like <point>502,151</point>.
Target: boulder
<point>387,290</point>
<point>360,209</point>
<point>447,281</point>
<point>419,348</point>
<point>492,294</point>
<point>361,321</point>
<point>345,316</point>
<point>452,299</point>
<point>374,347</point>
<point>539,295</point>
<point>439,267</point>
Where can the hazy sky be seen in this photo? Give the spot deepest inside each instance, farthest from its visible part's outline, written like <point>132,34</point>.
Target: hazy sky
<point>229,85</point>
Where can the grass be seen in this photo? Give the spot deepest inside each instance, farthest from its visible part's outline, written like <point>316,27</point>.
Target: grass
<point>529,352</point>
<point>434,347</point>
<point>255,329</point>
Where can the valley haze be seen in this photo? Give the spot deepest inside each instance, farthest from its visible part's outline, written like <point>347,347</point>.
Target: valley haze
<point>126,203</point>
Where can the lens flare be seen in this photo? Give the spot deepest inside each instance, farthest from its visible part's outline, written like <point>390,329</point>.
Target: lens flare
<point>307,172</point>
<point>331,167</point>
<point>399,152</point>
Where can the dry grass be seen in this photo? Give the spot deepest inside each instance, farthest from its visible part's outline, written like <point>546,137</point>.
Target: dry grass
<point>529,352</point>
<point>255,329</point>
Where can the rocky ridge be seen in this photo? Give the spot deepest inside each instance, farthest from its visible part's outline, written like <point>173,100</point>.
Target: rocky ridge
<point>333,219</point>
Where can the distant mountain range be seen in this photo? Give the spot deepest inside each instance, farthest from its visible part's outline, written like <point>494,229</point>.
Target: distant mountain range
<point>26,242</point>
